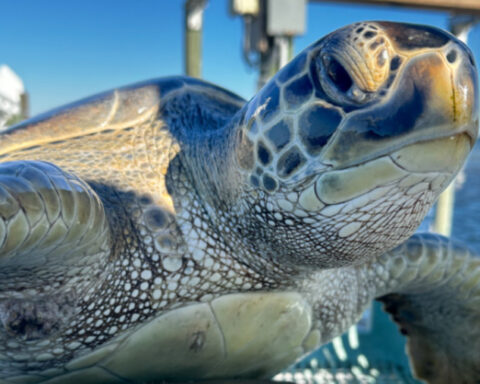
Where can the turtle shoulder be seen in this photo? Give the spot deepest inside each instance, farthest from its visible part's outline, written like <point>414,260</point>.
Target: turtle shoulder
<point>124,138</point>
<point>198,106</point>
<point>122,108</point>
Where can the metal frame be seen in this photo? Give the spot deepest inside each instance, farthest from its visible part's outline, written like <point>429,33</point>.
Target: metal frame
<point>458,6</point>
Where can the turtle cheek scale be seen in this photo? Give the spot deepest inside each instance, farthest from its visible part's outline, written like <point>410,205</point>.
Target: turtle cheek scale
<point>354,214</point>
<point>409,37</point>
<point>287,144</point>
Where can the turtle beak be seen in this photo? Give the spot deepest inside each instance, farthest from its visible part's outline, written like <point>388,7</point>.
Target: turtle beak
<point>431,95</point>
<point>448,80</point>
<point>464,89</point>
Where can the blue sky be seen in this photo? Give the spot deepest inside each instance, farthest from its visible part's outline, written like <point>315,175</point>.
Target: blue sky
<point>68,49</point>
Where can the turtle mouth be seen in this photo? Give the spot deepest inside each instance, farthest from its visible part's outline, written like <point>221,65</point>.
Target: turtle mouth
<point>434,161</point>
<point>469,132</point>
<point>439,155</point>
<point>472,135</point>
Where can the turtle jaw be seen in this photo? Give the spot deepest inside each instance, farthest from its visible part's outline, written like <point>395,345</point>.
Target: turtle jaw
<point>371,207</point>
<point>443,155</point>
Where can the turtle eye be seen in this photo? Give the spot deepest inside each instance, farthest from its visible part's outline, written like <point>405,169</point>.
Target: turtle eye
<point>337,74</point>
<point>337,83</point>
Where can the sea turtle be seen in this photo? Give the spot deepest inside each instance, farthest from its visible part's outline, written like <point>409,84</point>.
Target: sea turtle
<point>171,230</point>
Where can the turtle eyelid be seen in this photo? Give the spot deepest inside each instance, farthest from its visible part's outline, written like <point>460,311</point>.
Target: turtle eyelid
<point>333,82</point>
<point>338,74</point>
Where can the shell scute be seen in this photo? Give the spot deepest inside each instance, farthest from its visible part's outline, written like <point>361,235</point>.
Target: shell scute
<point>111,110</point>
<point>89,375</point>
<point>263,332</point>
<point>242,335</point>
<point>179,344</point>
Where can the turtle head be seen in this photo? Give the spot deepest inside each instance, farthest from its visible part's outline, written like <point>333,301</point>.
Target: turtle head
<point>348,146</point>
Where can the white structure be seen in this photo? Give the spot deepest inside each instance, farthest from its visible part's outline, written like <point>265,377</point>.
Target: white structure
<point>11,90</point>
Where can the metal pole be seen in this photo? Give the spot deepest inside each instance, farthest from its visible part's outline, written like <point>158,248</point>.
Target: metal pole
<point>265,46</point>
<point>460,26</point>
<point>444,211</point>
<point>193,37</point>
<point>290,48</point>
<point>285,50</point>
<point>24,106</point>
<point>267,67</point>
<point>280,21</point>
<point>279,54</point>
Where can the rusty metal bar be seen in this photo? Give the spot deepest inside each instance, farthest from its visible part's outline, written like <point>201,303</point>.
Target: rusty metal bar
<point>461,6</point>
<point>193,37</point>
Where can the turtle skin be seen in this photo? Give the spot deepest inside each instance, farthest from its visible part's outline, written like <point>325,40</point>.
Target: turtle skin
<point>171,230</point>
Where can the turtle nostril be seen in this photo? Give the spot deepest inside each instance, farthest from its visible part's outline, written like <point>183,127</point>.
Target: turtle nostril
<point>339,76</point>
<point>452,56</point>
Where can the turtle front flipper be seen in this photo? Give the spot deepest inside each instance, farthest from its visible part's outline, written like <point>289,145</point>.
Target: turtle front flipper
<point>54,236</point>
<point>433,294</point>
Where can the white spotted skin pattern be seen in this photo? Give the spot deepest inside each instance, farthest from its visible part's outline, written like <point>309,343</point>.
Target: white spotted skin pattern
<point>163,256</point>
<point>160,260</point>
<point>352,231</point>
